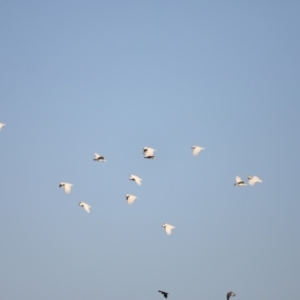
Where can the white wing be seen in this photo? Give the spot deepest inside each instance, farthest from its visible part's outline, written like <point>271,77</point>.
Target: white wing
<point>238,179</point>
<point>196,150</point>
<point>254,180</point>
<point>96,155</point>
<point>169,229</point>
<point>149,152</point>
<point>1,125</point>
<point>137,179</point>
<point>130,199</point>
<point>68,187</point>
<point>85,206</point>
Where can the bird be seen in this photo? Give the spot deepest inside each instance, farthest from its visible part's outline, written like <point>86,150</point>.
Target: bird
<point>99,157</point>
<point>85,206</point>
<point>67,186</point>
<point>130,198</point>
<point>135,178</point>
<point>230,294</point>
<point>164,293</point>
<point>1,125</point>
<point>196,150</point>
<point>149,153</point>
<point>239,181</point>
<point>168,228</point>
<point>253,179</point>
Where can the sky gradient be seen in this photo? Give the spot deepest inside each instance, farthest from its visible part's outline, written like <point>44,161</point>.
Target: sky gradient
<point>112,77</point>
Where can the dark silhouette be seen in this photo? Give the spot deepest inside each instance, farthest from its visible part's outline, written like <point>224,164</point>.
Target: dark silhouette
<point>230,294</point>
<point>164,293</point>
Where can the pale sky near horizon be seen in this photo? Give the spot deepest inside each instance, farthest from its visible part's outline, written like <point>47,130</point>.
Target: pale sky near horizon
<point>79,77</point>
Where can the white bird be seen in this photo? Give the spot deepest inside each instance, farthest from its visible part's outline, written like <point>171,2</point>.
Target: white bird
<point>196,150</point>
<point>66,186</point>
<point>130,198</point>
<point>239,181</point>
<point>168,228</point>
<point>85,206</point>
<point>1,125</point>
<point>230,294</point>
<point>149,153</point>
<point>135,178</point>
<point>253,179</point>
<point>99,157</point>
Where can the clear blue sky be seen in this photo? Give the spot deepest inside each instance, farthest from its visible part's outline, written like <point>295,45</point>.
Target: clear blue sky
<point>79,77</point>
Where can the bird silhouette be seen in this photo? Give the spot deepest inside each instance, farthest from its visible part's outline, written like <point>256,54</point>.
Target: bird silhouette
<point>230,294</point>
<point>164,293</point>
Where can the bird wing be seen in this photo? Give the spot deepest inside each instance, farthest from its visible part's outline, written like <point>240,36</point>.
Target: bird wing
<point>138,180</point>
<point>86,207</point>
<point>169,229</point>
<point>130,199</point>
<point>164,293</point>
<point>67,188</point>
<point>238,179</point>
<point>196,150</point>
<point>149,152</point>
<point>96,155</point>
<point>254,180</point>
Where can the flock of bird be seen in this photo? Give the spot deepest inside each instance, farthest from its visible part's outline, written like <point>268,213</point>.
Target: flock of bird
<point>149,154</point>
<point>229,294</point>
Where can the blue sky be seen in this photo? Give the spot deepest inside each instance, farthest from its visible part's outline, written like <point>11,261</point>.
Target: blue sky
<point>112,77</point>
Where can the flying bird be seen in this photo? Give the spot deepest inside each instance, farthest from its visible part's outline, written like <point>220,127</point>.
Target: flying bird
<point>230,294</point>
<point>85,206</point>
<point>239,181</point>
<point>196,150</point>
<point>66,186</point>
<point>253,179</point>
<point>149,153</point>
<point>99,157</point>
<point>135,178</point>
<point>1,125</point>
<point>130,198</point>
<point>164,293</point>
<point>168,228</point>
